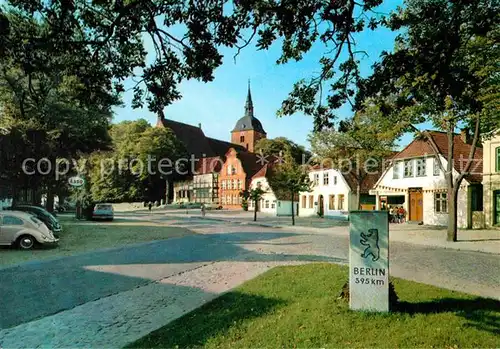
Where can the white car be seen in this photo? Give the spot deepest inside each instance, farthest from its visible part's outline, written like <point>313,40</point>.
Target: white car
<point>24,230</point>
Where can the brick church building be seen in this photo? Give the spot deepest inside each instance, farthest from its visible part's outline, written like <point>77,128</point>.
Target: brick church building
<point>223,168</point>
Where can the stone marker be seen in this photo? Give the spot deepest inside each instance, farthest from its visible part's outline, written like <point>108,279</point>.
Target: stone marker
<point>369,261</point>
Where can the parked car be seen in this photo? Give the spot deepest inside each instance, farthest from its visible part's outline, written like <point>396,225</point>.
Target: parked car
<point>42,214</point>
<point>24,230</point>
<point>103,211</point>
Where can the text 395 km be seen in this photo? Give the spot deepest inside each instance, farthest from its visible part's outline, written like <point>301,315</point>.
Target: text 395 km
<point>369,281</point>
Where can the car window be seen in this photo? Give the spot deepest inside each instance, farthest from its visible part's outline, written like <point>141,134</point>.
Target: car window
<point>103,207</point>
<point>11,220</point>
<point>36,220</point>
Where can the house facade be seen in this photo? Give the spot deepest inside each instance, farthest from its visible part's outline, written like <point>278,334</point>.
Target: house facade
<point>206,181</point>
<point>271,202</point>
<point>331,195</point>
<point>236,175</point>
<point>415,181</point>
<point>491,179</point>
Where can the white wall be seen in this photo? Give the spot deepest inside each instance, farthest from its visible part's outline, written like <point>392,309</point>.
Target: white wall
<point>429,181</point>
<point>268,196</point>
<point>332,188</point>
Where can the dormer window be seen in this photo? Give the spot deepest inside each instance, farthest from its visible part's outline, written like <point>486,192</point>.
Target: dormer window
<point>242,139</point>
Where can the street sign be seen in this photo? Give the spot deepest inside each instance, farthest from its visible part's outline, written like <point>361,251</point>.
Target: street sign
<point>76,181</point>
<point>369,261</point>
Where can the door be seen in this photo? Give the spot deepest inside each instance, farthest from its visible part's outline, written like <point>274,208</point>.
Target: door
<point>416,205</point>
<point>496,213</point>
<point>9,227</point>
<point>321,206</point>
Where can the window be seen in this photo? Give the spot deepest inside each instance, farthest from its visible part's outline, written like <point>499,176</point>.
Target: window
<point>316,179</point>
<point>441,202</point>
<point>311,201</point>
<point>498,159</point>
<point>235,184</point>
<point>436,170</point>
<point>223,200</point>
<point>240,200</point>
<point>420,164</point>
<point>223,185</point>
<point>259,184</point>
<point>335,180</point>
<point>408,168</point>
<point>229,169</point>
<point>242,139</point>
<point>396,170</point>
<point>331,202</point>
<point>279,203</point>
<point>267,203</point>
<point>304,200</point>
<point>341,201</point>
<point>240,184</point>
<point>10,220</point>
<point>235,199</point>
<point>233,170</point>
<point>273,204</point>
<point>325,178</point>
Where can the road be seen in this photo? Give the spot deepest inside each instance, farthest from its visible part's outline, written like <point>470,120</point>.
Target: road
<point>112,297</point>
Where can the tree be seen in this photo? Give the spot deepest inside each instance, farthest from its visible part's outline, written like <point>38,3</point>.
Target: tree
<point>288,179</point>
<point>359,147</point>
<point>282,146</point>
<point>49,106</point>
<point>444,71</point>
<point>187,38</point>
<point>254,195</point>
<point>140,159</point>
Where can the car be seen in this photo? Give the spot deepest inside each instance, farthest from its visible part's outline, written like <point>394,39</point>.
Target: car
<point>103,211</point>
<point>42,214</point>
<point>24,230</point>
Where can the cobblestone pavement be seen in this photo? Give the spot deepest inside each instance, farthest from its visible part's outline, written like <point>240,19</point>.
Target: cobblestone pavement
<point>111,297</point>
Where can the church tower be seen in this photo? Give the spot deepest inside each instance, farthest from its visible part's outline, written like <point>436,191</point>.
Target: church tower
<point>248,129</point>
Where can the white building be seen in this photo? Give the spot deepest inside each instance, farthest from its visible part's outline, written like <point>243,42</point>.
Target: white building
<point>491,179</point>
<point>415,181</point>
<point>335,194</point>
<point>270,203</point>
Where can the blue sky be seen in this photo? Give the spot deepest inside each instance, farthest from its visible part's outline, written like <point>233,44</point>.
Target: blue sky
<point>219,104</point>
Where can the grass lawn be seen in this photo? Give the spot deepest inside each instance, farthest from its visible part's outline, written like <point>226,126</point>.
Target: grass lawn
<point>298,307</point>
<point>80,236</point>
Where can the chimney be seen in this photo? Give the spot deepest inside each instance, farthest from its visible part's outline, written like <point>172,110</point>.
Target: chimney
<point>465,135</point>
<point>199,125</point>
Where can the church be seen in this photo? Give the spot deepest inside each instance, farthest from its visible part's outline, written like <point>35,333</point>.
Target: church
<point>222,169</point>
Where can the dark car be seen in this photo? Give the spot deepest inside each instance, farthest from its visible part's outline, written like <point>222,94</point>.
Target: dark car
<point>42,214</point>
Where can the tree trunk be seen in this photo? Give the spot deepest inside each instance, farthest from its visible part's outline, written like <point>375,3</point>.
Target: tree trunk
<point>49,204</point>
<point>452,214</point>
<point>293,212</point>
<point>255,210</point>
<point>358,195</point>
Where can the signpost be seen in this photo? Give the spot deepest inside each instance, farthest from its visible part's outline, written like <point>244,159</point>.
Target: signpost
<point>77,182</point>
<point>369,261</point>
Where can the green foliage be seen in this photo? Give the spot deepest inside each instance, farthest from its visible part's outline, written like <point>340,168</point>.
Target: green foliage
<point>282,146</point>
<point>130,171</point>
<point>360,146</point>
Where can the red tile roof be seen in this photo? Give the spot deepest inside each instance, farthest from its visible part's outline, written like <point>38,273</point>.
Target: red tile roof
<point>220,148</point>
<point>192,137</point>
<point>421,147</point>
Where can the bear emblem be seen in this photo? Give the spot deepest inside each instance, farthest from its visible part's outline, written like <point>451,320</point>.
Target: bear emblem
<point>370,240</point>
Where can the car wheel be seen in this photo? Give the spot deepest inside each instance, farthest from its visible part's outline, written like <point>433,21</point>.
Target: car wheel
<point>26,242</point>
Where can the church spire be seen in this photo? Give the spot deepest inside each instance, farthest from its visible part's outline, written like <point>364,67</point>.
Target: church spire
<point>249,103</point>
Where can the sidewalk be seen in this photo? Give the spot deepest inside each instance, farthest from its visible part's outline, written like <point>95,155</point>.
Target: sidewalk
<point>469,240</point>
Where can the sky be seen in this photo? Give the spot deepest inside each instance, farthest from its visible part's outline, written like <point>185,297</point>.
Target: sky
<point>217,105</point>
